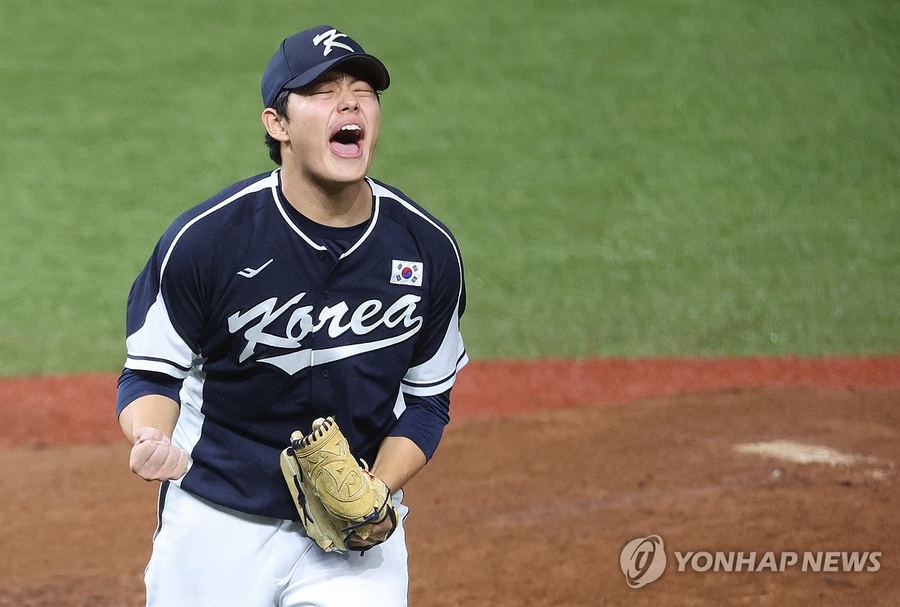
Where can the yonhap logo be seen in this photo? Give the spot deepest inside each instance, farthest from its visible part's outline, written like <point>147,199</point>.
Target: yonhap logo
<point>643,560</point>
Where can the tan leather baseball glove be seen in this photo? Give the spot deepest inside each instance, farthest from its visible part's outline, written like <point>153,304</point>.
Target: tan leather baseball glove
<point>341,504</point>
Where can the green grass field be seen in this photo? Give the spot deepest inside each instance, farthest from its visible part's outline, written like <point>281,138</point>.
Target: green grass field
<point>625,178</point>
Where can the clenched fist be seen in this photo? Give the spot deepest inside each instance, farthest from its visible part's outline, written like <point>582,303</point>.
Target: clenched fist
<point>155,458</point>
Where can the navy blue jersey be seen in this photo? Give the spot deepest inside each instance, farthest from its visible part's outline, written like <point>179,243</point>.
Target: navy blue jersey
<point>270,321</point>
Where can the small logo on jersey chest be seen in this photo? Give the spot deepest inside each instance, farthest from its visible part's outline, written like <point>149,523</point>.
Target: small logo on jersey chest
<point>406,272</point>
<point>251,272</point>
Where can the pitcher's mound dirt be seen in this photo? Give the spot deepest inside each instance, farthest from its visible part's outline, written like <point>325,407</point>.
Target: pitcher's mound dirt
<point>535,508</point>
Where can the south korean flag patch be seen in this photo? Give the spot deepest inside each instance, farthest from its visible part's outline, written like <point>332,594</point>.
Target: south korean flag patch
<point>406,272</point>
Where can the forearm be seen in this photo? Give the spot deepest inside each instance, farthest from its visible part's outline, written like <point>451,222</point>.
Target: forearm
<point>149,411</point>
<point>148,423</point>
<point>398,461</point>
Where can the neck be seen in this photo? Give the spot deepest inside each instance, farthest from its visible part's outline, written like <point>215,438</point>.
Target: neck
<point>337,205</point>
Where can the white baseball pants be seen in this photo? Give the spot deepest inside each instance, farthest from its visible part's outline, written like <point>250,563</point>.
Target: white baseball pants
<point>208,555</point>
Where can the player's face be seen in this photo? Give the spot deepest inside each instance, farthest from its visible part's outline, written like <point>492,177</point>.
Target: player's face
<point>333,128</point>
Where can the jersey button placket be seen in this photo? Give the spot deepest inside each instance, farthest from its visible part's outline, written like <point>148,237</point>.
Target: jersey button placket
<point>324,372</point>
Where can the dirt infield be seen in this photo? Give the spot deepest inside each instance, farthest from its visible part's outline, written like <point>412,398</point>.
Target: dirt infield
<point>548,470</point>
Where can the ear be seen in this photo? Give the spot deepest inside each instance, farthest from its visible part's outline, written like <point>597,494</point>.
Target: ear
<point>274,123</point>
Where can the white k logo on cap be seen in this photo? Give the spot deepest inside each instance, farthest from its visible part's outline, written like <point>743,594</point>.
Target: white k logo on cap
<point>330,38</point>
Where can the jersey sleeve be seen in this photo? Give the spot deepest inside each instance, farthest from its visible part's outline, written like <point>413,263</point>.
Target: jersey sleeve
<point>423,421</point>
<point>427,385</point>
<point>135,384</point>
<point>165,315</point>
<point>440,352</point>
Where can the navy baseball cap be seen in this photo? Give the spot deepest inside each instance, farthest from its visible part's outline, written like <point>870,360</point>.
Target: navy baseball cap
<point>308,54</point>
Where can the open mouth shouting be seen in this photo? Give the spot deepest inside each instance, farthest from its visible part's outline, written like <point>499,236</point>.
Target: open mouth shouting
<point>346,141</point>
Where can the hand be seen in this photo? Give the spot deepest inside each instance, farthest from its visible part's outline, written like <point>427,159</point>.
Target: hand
<point>378,533</point>
<point>155,458</point>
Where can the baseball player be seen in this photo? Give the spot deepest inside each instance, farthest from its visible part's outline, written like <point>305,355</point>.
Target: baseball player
<point>311,291</point>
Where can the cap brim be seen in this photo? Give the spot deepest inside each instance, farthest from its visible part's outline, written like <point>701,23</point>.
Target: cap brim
<point>377,74</point>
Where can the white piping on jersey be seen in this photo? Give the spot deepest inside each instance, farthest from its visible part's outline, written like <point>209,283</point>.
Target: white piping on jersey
<point>447,356</point>
<point>371,223</point>
<point>382,191</point>
<point>253,187</point>
<point>189,426</point>
<point>412,383</point>
<point>157,321</point>
<point>287,219</point>
<point>399,405</point>
<point>157,335</point>
<point>425,387</point>
<point>280,204</point>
